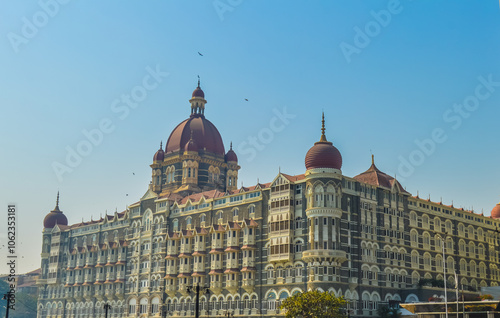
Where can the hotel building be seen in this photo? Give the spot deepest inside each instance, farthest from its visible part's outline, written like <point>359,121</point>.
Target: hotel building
<point>363,237</point>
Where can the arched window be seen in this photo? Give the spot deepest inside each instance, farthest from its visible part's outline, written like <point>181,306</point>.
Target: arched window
<point>298,246</point>
<point>439,263</point>
<point>271,301</point>
<point>437,224</point>
<point>132,306</point>
<point>143,309</point>
<point>425,221</point>
<point>251,211</point>
<point>414,238</point>
<point>472,249</point>
<point>413,218</point>
<point>147,220</point>
<point>426,240</point>
<point>415,259</point>
<point>318,196</point>
<point>155,308</point>
<point>471,232</point>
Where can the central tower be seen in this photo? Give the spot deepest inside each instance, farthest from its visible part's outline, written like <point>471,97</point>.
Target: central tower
<point>194,159</point>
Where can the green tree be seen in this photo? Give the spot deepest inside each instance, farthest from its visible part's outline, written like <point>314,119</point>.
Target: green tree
<point>395,313</point>
<point>314,304</point>
<point>383,312</point>
<point>388,312</point>
<point>25,304</point>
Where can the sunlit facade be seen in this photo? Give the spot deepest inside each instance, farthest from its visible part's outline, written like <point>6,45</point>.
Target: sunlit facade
<point>364,237</point>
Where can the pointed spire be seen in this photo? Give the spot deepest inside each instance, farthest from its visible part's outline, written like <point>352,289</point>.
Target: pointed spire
<point>373,159</point>
<point>199,81</point>
<point>231,146</point>
<point>161,144</point>
<point>56,209</point>
<point>323,137</point>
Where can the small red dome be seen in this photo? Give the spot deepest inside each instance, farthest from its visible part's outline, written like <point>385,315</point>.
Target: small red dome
<point>495,213</point>
<point>159,155</point>
<point>198,92</point>
<point>231,155</point>
<point>191,145</point>
<point>323,155</point>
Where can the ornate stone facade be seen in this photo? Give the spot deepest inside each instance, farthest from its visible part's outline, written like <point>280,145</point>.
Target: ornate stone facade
<point>364,238</point>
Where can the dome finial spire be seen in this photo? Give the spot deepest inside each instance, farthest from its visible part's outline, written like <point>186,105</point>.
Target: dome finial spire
<point>198,81</point>
<point>231,146</point>
<point>323,137</point>
<point>57,202</point>
<point>373,159</point>
<point>161,144</point>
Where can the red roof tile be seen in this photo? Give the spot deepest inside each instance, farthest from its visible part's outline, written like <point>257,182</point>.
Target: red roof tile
<point>378,178</point>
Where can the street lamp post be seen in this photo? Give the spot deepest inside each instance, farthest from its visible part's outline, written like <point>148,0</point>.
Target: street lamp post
<point>106,308</point>
<point>164,309</point>
<point>7,297</point>
<point>444,272</point>
<point>196,290</point>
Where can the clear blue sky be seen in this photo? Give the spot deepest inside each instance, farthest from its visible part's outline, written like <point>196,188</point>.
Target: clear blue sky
<point>388,89</point>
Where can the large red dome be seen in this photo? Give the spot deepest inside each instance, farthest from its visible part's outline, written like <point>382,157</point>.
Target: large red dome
<point>53,218</point>
<point>323,155</point>
<point>205,135</point>
<point>495,213</point>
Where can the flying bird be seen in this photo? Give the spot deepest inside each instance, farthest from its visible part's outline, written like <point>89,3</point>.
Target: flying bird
<point>200,54</point>
<point>246,99</point>
<point>133,173</point>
